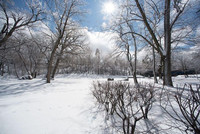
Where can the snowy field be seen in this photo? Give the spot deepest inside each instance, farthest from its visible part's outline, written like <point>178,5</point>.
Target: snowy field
<point>65,106</point>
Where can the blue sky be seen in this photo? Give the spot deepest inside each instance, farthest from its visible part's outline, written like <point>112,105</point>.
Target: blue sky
<point>93,19</point>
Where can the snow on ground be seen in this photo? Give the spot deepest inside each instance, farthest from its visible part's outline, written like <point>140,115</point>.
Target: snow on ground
<point>32,106</point>
<point>64,106</point>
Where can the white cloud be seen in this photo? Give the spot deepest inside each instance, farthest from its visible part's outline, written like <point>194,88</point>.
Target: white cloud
<point>104,41</point>
<point>144,52</point>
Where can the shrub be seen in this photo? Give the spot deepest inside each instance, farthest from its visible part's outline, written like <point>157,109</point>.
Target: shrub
<point>124,103</point>
<point>183,106</point>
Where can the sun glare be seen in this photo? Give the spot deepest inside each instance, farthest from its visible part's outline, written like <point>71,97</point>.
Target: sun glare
<point>109,7</point>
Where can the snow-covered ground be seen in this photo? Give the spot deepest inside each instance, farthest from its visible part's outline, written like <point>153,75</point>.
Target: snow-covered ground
<point>34,107</point>
<point>65,106</point>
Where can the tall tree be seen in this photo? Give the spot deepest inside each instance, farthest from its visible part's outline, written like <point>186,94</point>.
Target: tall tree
<point>73,43</point>
<point>62,13</point>
<point>148,11</point>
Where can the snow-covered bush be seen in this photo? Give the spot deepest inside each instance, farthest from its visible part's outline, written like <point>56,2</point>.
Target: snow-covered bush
<point>124,103</point>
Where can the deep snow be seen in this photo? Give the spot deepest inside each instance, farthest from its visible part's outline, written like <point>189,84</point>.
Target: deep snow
<point>65,106</point>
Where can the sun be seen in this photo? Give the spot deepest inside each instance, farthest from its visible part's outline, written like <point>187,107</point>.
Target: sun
<point>108,7</point>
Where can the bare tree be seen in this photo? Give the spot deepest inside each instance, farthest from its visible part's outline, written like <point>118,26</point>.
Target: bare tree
<point>73,43</point>
<point>127,39</point>
<point>26,55</point>
<point>154,65</point>
<point>150,16</point>
<point>169,22</point>
<point>14,20</point>
<point>61,13</point>
<point>184,64</point>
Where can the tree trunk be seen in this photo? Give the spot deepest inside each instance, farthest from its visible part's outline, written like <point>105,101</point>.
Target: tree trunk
<point>9,69</point>
<point>58,61</point>
<point>50,62</point>
<point>135,67</point>
<point>197,131</point>
<point>133,127</point>
<point>49,68</point>
<point>55,68</point>
<point>24,62</point>
<point>167,45</point>
<point>2,68</point>
<point>16,71</point>
<point>154,66</point>
<point>161,68</point>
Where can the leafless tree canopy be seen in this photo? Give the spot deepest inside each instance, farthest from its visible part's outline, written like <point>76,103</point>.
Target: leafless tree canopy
<point>14,20</point>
